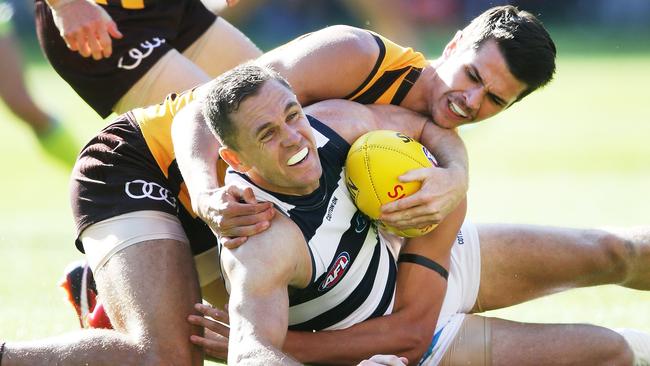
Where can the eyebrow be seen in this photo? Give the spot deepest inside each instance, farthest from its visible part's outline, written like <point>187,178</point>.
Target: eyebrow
<point>480,79</point>
<point>264,126</point>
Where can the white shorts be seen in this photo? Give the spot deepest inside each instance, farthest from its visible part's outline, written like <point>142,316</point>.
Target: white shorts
<point>104,239</point>
<point>462,292</point>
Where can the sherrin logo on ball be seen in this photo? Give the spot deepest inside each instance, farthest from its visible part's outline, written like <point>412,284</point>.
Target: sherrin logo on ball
<point>374,163</point>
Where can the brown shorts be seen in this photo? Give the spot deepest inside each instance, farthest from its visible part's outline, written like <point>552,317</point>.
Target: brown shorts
<point>116,174</point>
<point>148,34</point>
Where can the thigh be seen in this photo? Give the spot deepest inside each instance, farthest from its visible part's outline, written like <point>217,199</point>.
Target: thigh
<point>515,343</point>
<point>523,262</point>
<point>221,48</point>
<point>492,341</point>
<point>172,73</point>
<point>149,289</point>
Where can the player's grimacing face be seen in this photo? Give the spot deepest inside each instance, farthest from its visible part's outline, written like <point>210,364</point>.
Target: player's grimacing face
<point>472,85</point>
<point>275,141</point>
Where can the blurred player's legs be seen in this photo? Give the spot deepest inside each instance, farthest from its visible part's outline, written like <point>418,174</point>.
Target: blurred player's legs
<point>51,135</point>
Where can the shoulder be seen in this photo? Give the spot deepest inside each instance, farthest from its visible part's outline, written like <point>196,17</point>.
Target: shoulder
<point>355,40</point>
<point>277,254</point>
<point>351,120</point>
<point>348,119</point>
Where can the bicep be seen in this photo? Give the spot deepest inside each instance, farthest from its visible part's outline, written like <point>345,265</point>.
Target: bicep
<point>277,257</point>
<point>259,273</point>
<point>330,63</point>
<point>435,246</point>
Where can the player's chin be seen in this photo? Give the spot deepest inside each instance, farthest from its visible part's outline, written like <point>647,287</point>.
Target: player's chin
<point>446,123</point>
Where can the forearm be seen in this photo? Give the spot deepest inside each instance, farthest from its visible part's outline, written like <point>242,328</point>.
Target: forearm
<point>449,150</point>
<point>398,334</point>
<point>255,336</point>
<point>197,155</point>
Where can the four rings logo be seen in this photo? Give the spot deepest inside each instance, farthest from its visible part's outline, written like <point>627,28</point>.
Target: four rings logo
<point>137,54</point>
<point>139,189</point>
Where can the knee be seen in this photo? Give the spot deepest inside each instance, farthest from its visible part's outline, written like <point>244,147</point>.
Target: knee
<point>615,254</point>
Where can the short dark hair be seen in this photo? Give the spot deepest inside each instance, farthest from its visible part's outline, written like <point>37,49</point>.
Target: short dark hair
<point>228,91</point>
<point>523,41</point>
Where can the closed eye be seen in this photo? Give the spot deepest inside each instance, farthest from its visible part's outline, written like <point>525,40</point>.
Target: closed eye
<point>471,75</point>
<point>267,135</point>
<point>498,101</point>
<point>292,116</point>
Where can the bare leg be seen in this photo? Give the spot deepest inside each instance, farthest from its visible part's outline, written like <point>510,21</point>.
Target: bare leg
<point>13,90</point>
<point>485,341</point>
<point>524,344</point>
<point>230,45</point>
<point>520,263</point>
<point>148,290</point>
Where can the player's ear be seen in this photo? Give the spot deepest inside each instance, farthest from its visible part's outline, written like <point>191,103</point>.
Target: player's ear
<point>453,44</point>
<point>233,159</point>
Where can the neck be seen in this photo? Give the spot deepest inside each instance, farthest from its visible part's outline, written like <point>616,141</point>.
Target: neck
<point>418,97</point>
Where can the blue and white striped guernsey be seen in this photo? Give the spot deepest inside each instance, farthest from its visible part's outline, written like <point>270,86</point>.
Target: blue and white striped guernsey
<point>353,269</point>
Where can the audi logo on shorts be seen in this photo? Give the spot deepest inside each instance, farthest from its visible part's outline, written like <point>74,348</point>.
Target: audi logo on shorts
<point>140,189</point>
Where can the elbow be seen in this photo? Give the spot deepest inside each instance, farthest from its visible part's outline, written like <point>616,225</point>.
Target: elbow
<point>415,341</point>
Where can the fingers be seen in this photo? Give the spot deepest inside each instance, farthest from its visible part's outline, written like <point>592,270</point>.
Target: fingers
<point>82,45</point>
<point>418,215</point>
<point>86,28</point>
<point>95,45</point>
<point>419,223</point>
<point>212,312</point>
<point>105,43</point>
<point>70,41</point>
<point>386,360</point>
<point>214,326</point>
<point>415,174</point>
<point>241,219</point>
<point>242,194</point>
<point>417,199</point>
<point>112,30</point>
<point>217,348</point>
<point>233,227</point>
<point>232,243</point>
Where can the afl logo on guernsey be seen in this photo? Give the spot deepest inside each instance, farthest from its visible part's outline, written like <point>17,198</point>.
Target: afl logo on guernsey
<point>336,272</point>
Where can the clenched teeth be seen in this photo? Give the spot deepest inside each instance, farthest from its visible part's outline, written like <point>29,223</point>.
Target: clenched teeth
<point>297,158</point>
<point>456,109</point>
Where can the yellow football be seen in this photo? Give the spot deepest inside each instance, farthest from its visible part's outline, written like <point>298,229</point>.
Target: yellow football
<point>374,163</point>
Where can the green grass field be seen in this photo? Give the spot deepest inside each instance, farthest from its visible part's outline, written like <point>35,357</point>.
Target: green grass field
<point>574,154</point>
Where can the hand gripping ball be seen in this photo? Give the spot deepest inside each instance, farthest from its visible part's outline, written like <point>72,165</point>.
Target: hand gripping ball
<point>374,163</point>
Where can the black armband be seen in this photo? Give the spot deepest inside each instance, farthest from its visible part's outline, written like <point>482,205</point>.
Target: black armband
<point>423,261</point>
